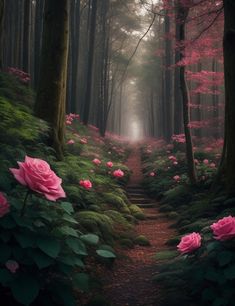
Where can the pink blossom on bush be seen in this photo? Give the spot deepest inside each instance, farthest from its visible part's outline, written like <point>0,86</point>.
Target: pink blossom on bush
<point>152,173</point>
<point>172,158</point>
<point>224,229</point>
<point>71,141</point>
<point>196,162</point>
<point>189,243</point>
<point>12,266</point>
<point>4,206</point>
<point>37,175</point>
<point>86,184</point>
<point>175,163</point>
<point>118,173</point>
<point>205,161</point>
<point>212,165</point>
<point>83,141</point>
<point>96,161</point>
<point>109,164</point>
<point>176,178</point>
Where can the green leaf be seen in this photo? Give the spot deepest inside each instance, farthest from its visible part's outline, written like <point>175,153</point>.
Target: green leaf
<point>7,222</point>
<point>90,238</point>
<point>229,272</point>
<point>164,255</point>
<point>213,246</point>
<point>69,219</point>
<point>25,239</point>
<point>5,276</point>
<point>69,231</point>
<point>49,246</point>
<point>224,258</point>
<point>25,289</point>
<point>5,252</point>
<point>81,281</point>
<point>42,260</point>
<point>77,246</point>
<point>71,261</point>
<point>67,207</point>
<point>105,254</point>
<point>64,293</point>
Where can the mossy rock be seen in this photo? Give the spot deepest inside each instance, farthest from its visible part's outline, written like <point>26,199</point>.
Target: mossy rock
<point>97,223</point>
<point>135,209</point>
<point>116,201</point>
<point>140,216</point>
<point>131,219</point>
<point>128,243</point>
<point>118,218</point>
<point>173,215</point>
<point>173,241</point>
<point>96,208</point>
<point>142,240</point>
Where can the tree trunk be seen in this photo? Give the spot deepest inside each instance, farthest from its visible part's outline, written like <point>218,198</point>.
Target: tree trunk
<point>51,94</point>
<point>229,74</point>
<point>26,34</point>
<point>182,14</point>
<point>2,5</point>
<point>90,62</point>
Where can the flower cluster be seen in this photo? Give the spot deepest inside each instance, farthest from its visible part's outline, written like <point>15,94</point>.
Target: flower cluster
<point>96,161</point>
<point>118,173</point>
<point>86,184</point>
<point>70,117</point>
<point>223,229</point>
<point>21,75</point>
<point>180,138</point>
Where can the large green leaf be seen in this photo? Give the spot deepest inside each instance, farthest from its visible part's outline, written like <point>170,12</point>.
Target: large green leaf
<point>49,246</point>
<point>69,231</point>
<point>42,260</point>
<point>25,289</point>
<point>81,281</point>
<point>67,207</point>
<point>5,276</point>
<point>25,239</point>
<point>70,219</point>
<point>77,246</point>
<point>90,238</point>
<point>105,254</point>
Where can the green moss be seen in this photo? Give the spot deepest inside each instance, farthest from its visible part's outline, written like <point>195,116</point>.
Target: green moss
<point>128,243</point>
<point>118,218</point>
<point>116,201</point>
<point>142,240</point>
<point>166,255</point>
<point>139,216</point>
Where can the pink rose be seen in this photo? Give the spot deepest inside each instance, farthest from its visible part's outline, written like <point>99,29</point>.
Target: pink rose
<point>86,184</point>
<point>71,141</point>
<point>224,229</point>
<point>12,266</point>
<point>212,165</point>
<point>205,161</point>
<point>118,173</point>
<point>189,243</point>
<point>4,206</point>
<point>172,158</point>
<point>175,163</point>
<point>152,174</point>
<point>109,164</point>
<point>37,175</point>
<point>96,161</point>
<point>176,178</point>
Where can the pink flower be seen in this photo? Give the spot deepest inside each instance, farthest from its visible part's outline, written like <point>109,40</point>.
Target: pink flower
<point>196,161</point>
<point>86,184</point>
<point>4,206</point>
<point>175,163</point>
<point>205,161</point>
<point>152,174</point>
<point>37,175</point>
<point>172,158</point>
<point>109,164</point>
<point>176,178</point>
<point>71,141</point>
<point>189,243</point>
<point>96,161</point>
<point>83,141</point>
<point>212,165</point>
<point>224,229</point>
<point>118,173</point>
<point>12,266</point>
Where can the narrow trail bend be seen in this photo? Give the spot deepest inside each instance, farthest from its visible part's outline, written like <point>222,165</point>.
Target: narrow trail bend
<point>129,283</point>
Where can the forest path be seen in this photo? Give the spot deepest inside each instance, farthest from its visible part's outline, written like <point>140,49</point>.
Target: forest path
<point>129,282</point>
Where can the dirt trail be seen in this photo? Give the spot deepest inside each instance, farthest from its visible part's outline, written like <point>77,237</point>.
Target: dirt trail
<point>129,282</point>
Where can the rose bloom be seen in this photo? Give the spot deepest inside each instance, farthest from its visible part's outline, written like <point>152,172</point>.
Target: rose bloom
<point>12,266</point>
<point>118,173</point>
<point>205,161</point>
<point>173,158</point>
<point>96,161</point>
<point>175,163</point>
<point>224,229</point>
<point>189,243</point>
<point>212,165</point>
<point>109,164</point>
<point>4,206</point>
<point>86,184</point>
<point>152,174</point>
<point>37,175</point>
<point>176,178</point>
<point>71,141</point>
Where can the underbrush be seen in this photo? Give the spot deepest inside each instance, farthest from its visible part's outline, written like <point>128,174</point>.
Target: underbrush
<point>203,275</point>
<point>46,244</point>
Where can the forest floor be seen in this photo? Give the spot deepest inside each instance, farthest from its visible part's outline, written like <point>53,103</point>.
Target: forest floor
<point>129,282</point>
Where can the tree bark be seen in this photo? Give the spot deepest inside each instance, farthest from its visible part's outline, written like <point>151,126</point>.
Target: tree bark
<point>51,94</point>
<point>2,6</point>
<point>182,13</point>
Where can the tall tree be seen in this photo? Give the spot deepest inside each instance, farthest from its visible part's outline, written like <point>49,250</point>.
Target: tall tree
<point>2,4</point>
<point>26,35</point>
<point>51,94</point>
